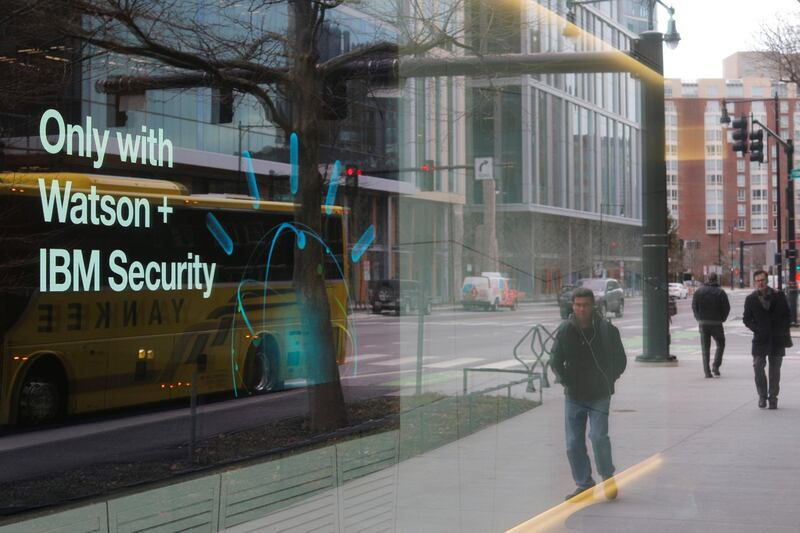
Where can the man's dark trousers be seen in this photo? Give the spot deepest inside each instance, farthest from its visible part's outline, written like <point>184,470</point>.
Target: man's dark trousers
<point>706,333</point>
<point>759,362</point>
<point>577,412</point>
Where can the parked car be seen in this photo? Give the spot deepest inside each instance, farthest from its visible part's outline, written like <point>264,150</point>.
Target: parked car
<point>397,296</point>
<point>608,296</point>
<point>678,290</point>
<point>691,286</point>
<point>490,290</point>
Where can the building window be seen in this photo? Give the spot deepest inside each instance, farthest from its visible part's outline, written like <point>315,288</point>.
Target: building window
<point>758,224</point>
<point>741,223</point>
<point>740,194</point>
<point>741,210</point>
<point>740,164</point>
<point>774,223</point>
<point>711,225</point>
<point>740,180</point>
<point>221,106</point>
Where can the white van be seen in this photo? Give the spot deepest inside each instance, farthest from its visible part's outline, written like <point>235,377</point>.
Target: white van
<point>490,290</point>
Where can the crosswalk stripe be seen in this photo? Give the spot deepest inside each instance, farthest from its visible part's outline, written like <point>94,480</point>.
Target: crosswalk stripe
<point>402,361</point>
<point>455,362</point>
<point>370,356</point>
<point>501,364</point>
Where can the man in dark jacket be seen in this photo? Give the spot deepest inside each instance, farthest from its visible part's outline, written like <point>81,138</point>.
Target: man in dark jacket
<point>588,357</point>
<point>711,307</point>
<point>766,314</point>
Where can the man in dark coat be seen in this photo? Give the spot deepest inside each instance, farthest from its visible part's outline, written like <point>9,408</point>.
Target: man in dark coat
<point>588,357</point>
<point>711,307</point>
<point>766,314</point>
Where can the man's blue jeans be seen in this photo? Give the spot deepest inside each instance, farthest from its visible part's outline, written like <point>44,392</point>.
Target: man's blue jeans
<point>576,413</point>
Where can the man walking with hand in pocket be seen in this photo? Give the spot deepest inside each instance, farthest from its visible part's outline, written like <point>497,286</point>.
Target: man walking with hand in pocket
<point>711,307</point>
<point>588,357</point>
<point>766,314</point>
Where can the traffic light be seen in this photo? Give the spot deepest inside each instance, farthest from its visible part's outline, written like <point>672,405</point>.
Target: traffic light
<point>352,171</point>
<point>757,146</point>
<point>740,134</point>
<point>351,175</point>
<point>427,166</point>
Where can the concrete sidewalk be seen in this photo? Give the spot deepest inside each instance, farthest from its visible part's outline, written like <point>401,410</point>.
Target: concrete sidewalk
<point>716,463</point>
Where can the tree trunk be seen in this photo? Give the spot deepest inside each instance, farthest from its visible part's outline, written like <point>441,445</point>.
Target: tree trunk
<point>326,400</point>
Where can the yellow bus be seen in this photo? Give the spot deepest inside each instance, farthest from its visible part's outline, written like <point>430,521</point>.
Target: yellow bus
<point>118,292</point>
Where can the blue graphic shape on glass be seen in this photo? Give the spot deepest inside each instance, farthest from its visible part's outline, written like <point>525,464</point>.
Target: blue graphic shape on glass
<point>331,198</point>
<point>294,158</point>
<point>219,233</point>
<point>300,235</point>
<point>363,243</point>
<point>252,185</point>
<point>301,240</point>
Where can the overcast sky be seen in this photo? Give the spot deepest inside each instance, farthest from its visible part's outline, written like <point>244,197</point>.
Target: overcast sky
<point>711,30</point>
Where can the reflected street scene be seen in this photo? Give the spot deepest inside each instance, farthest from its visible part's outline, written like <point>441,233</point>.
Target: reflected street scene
<point>397,265</point>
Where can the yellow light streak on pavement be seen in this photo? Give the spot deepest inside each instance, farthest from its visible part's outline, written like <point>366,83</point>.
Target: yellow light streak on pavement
<point>556,517</point>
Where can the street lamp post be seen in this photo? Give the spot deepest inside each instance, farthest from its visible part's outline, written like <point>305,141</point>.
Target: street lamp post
<point>671,38</point>
<point>655,239</point>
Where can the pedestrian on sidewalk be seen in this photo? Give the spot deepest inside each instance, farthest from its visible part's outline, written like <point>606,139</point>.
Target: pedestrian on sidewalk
<point>711,308</point>
<point>766,314</point>
<point>588,357</point>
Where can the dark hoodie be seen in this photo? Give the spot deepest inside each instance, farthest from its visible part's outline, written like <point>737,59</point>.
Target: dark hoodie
<point>588,374</point>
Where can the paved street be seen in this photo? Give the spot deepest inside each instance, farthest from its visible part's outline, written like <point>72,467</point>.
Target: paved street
<point>455,339</point>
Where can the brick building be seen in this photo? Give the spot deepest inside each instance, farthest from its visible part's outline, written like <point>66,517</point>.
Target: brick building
<point>718,197</point>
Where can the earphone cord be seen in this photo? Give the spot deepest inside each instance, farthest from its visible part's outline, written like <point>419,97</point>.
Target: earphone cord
<point>594,357</point>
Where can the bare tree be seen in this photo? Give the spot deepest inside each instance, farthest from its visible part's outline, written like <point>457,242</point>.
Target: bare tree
<point>780,43</point>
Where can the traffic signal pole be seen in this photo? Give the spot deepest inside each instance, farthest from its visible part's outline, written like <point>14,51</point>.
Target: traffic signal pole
<point>791,252</point>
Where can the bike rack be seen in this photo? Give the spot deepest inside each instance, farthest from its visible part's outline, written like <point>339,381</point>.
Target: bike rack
<point>540,338</point>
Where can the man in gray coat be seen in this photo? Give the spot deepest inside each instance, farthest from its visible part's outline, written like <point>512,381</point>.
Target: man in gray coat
<point>766,314</point>
<point>711,308</point>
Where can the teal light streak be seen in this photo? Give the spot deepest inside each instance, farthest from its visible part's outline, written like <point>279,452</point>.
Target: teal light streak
<point>331,198</point>
<point>363,243</point>
<point>294,157</point>
<point>219,233</point>
<point>252,185</point>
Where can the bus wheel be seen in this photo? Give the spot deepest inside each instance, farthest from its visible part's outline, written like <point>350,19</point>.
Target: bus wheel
<point>261,371</point>
<point>41,400</point>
